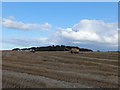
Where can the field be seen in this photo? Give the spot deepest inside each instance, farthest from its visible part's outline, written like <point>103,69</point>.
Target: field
<point>59,69</point>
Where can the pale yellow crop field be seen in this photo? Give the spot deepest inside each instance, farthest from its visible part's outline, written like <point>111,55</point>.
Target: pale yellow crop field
<point>61,69</point>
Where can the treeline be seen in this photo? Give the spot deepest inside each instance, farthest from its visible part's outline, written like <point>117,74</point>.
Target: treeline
<point>51,48</point>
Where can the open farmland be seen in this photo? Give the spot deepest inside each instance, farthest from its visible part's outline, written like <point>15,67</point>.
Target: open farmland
<point>55,69</point>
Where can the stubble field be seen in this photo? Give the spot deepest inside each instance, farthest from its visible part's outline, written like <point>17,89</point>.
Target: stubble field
<point>55,69</point>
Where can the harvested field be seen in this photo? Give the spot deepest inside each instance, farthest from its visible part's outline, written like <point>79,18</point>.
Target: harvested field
<point>59,69</point>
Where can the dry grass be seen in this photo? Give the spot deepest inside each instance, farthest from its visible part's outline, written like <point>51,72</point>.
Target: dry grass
<point>62,68</point>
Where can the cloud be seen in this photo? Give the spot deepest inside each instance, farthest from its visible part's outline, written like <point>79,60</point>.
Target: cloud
<point>11,23</point>
<point>86,33</point>
<point>91,31</point>
<point>26,42</point>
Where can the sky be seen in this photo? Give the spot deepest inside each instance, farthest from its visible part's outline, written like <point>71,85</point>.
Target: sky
<point>90,25</point>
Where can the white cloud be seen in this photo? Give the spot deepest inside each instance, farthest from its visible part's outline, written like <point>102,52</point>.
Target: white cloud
<point>11,23</point>
<point>91,31</point>
<point>86,32</point>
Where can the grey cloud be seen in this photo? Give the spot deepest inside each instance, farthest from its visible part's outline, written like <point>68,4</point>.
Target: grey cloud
<point>27,42</point>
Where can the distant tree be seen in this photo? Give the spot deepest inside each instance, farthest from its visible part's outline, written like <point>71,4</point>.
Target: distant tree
<point>62,45</point>
<point>33,48</point>
<point>98,50</point>
<point>25,49</point>
<point>57,46</point>
<point>16,49</point>
<point>53,46</point>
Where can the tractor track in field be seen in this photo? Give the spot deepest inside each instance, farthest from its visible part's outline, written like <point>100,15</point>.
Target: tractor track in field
<point>58,69</point>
